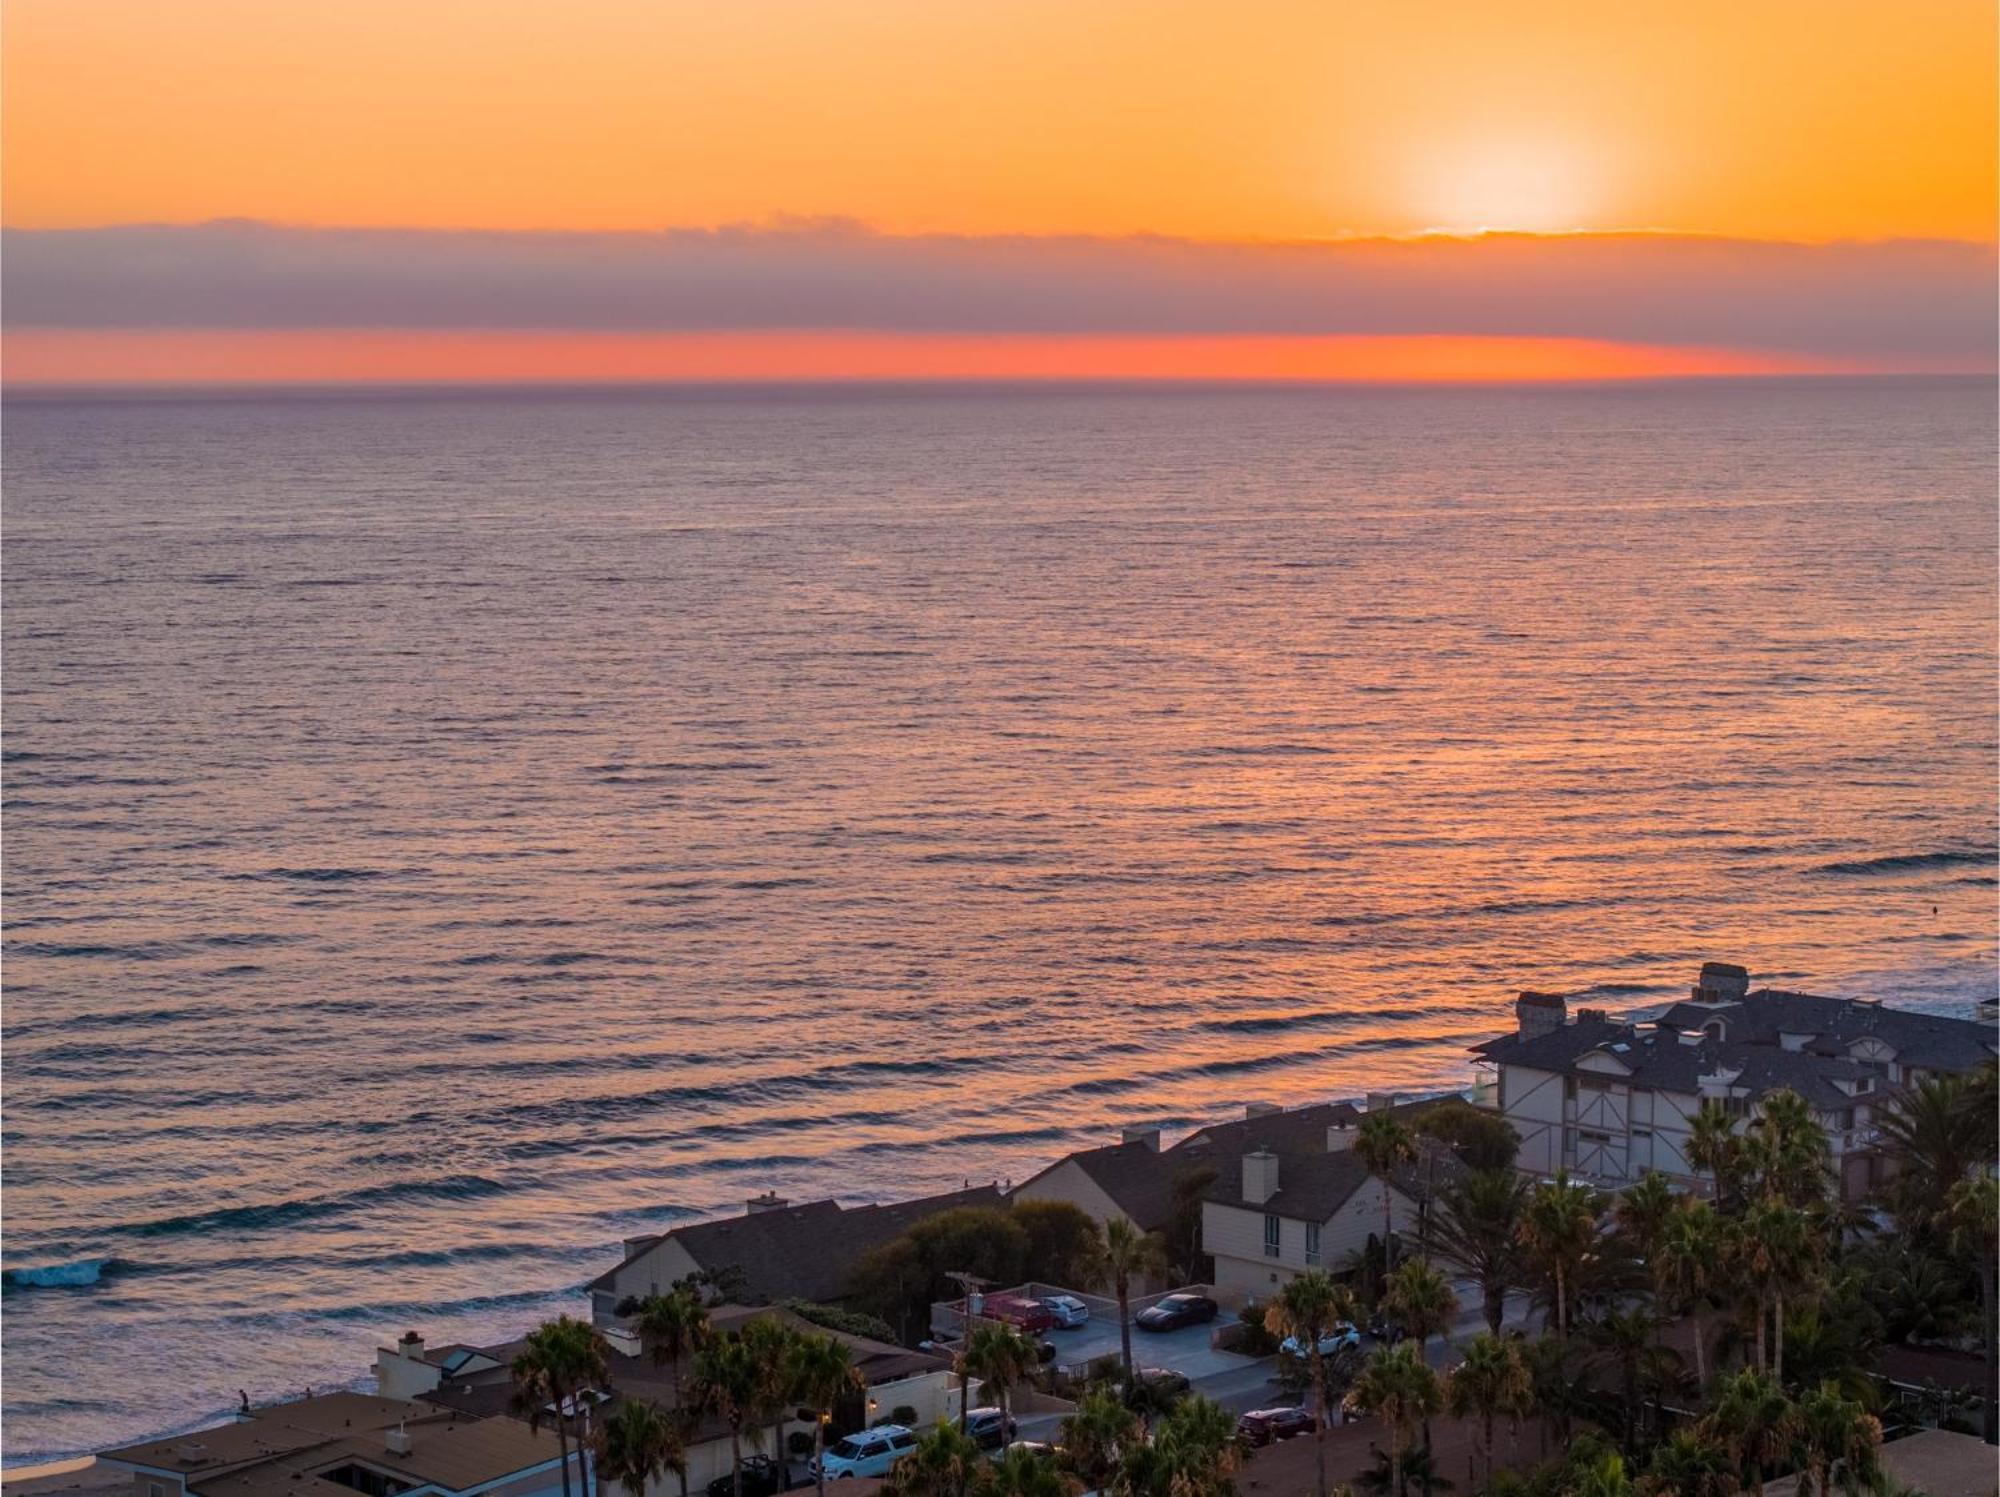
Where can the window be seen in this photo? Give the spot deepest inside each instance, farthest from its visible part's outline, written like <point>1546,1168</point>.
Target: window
<point>1272,1236</point>
<point>1312,1242</point>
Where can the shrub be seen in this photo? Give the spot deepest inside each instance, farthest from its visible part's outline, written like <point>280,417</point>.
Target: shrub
<point>847,1322</point>
<point>903,1413</point>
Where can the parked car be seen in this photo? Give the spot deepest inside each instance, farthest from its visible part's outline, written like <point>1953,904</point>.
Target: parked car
<point>1262,1426</point>
<point>989,1427</point>
<point>1175,1311</point>
<point>1024,1314</point>
<point>1341,1337</point>
<point>762,1477</point>
<point>867,1452</point>
<point>1069,1311</point>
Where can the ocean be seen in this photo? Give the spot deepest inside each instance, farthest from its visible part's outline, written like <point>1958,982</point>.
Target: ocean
<point>448,832</point>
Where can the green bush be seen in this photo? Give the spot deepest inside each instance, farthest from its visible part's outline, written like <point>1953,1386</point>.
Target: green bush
<point>903,1413</point>
<point>847,1322</point>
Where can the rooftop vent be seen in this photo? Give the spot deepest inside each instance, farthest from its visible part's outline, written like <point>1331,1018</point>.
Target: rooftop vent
<point>770,1200</point>
<point>396,1441</point>
<point>1593,1016</point>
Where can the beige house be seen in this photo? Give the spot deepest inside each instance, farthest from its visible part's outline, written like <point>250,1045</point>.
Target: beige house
<point>1131,1180</point>
<point>1280,1207</point>
<point>340,1444</point>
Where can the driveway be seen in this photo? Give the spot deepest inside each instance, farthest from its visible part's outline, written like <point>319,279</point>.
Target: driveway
<point>1185,1351</point>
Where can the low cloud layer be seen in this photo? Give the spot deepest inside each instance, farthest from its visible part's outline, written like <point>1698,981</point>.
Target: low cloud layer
<point>1912,301</point>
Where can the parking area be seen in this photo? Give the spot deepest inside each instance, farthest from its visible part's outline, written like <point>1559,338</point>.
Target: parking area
<point>1185,1351</point>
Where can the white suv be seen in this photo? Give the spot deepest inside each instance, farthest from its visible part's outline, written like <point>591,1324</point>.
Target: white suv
<point>868,1452</point>
<point>1068,1310</point>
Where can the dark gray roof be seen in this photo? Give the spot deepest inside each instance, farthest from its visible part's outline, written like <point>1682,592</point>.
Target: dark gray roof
<point>1294,1128</point>
<point>1662,1058</point>
<point>803,1252</point>
<point>1313,1181</point>
<point>1136,1175</point>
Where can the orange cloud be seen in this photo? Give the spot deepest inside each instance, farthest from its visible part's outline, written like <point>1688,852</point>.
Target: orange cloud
<point>86,356</point>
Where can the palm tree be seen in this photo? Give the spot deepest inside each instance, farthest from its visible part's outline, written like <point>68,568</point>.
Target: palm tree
<point>1560,1227</point>
<point>1775,1252</point>
<point>1001,1358</point>
<point>638,1444</point>
<point>1491,1380</point>
<point>1936,1134</point>
<point>1642,1215</point>
<point>1021,1472</point>
<point>729,1382</point>
<point>1307,1309</point>
<point>1835,1432</point>
<point>1972,1213</point>
<point>1787,1148</point>
<point>1627,1343</point>
<point>672,1326</point>
<point>1714,1147</point>
<point>1398,1387</point>
<point>1191,1455</point>
<point>1420,1300</point>
<point>1754,1421</point>
<point>1690,1253</point>
<point>940,1464</point>
<point>1476,1230</point>
<point>771,1341</point>
<point>1383,1143</point>
<point>1689,1464</point>
<point>1128,1254</point>
<point>823,1373</point>
<point>1097,1435</point>
<point>558,1360</point>
<point>1603,1477</point>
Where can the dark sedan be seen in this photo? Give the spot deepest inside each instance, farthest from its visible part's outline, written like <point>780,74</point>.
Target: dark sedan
<point>1175,1311</point>
<point>762,1477</point>
<point>1263,1426</point>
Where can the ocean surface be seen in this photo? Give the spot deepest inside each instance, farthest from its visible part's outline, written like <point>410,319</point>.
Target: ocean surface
<point>447,833</point>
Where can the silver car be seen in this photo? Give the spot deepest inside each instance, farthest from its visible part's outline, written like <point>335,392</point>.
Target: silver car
<point>1069,1311</point>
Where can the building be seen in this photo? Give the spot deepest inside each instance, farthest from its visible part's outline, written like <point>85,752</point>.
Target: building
<point>774,1251</point>
<point>475,1382</point>
<point>1609,1099</point>
<point>1132,1180</point>
<point>338,1444</point>
<point>1286,1198</point>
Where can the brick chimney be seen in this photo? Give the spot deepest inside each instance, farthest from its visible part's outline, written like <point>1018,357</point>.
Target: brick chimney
<point>1150,1137</point>
<point>1722,982</point>
<point>1540,1013</point>
<point>1260,1176</point>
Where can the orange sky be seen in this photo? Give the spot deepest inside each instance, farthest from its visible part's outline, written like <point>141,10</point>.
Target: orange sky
<point>1795,119</point>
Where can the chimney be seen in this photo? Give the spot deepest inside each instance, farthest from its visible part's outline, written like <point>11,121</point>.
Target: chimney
<point>1252,1110</point>
<point>410,1345</point>
<point>396,1441</point>
<point>1150,1137</point>
<point>1339,1138</point>
<point>636,1245</point>
<point>1722,982</point>
<point>1383,1101</point>
<point>1593,1016</point>
<point>1540,1013</point>
<point>1260,1176</point>
<point>770,1200</point>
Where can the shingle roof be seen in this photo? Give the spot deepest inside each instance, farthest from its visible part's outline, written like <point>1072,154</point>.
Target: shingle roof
<point>1313,1181</point>
<point>1932,1041</point>
<point>1136,1175</point>
<point>802,1252</point>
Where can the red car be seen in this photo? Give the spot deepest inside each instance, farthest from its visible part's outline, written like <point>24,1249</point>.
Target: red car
<point>1029,1315</point>
<point>1263,1426</point>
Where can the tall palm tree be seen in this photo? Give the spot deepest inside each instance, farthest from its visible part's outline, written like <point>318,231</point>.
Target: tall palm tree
<point>1491,1380</point>
<point>1128,1254</point>
<point>1786,1146</point>
<point>1690,1253</point>
<point>1754,1421</point>
<point>640,1443</point>
<point>558,1361</point>
<point>1420,1299</point>
<point>1385,1144</point>
<point>771,1341</point>
<point>1642,1215</point>
<point>824,1373</point>
<point>1096,1436</point>
<point>1713,1147</point>
<point>1197,1447</point>
<point>671,1327</point>
<point>1560,1227</point>
<point>1972,1214</point>
<point>728,1382</point>
<point>1001,1358</point>
<point>1475,1230</point>
<point>1775,1252</point>
<point>1935,1135</point>
<point>1399,1388</point>
<point>1307,1309</point>
<point>940,1464</point>
<point>1690,1464</point>
<point>1836,1433</point>
<point>1627,1345</point>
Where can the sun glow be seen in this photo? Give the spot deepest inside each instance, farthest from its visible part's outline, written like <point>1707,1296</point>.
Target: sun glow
<point>1502,185</point>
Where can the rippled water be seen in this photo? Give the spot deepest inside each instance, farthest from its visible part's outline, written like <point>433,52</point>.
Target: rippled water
<point>447,834</point>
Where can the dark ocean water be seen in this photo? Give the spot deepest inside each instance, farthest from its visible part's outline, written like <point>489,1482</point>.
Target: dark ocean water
<point>445,835</point>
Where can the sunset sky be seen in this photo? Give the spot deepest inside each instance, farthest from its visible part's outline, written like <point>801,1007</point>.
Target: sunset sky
<point>883,187</point>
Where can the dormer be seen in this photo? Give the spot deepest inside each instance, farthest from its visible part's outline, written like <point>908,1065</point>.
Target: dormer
<point>1873,1053</point>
